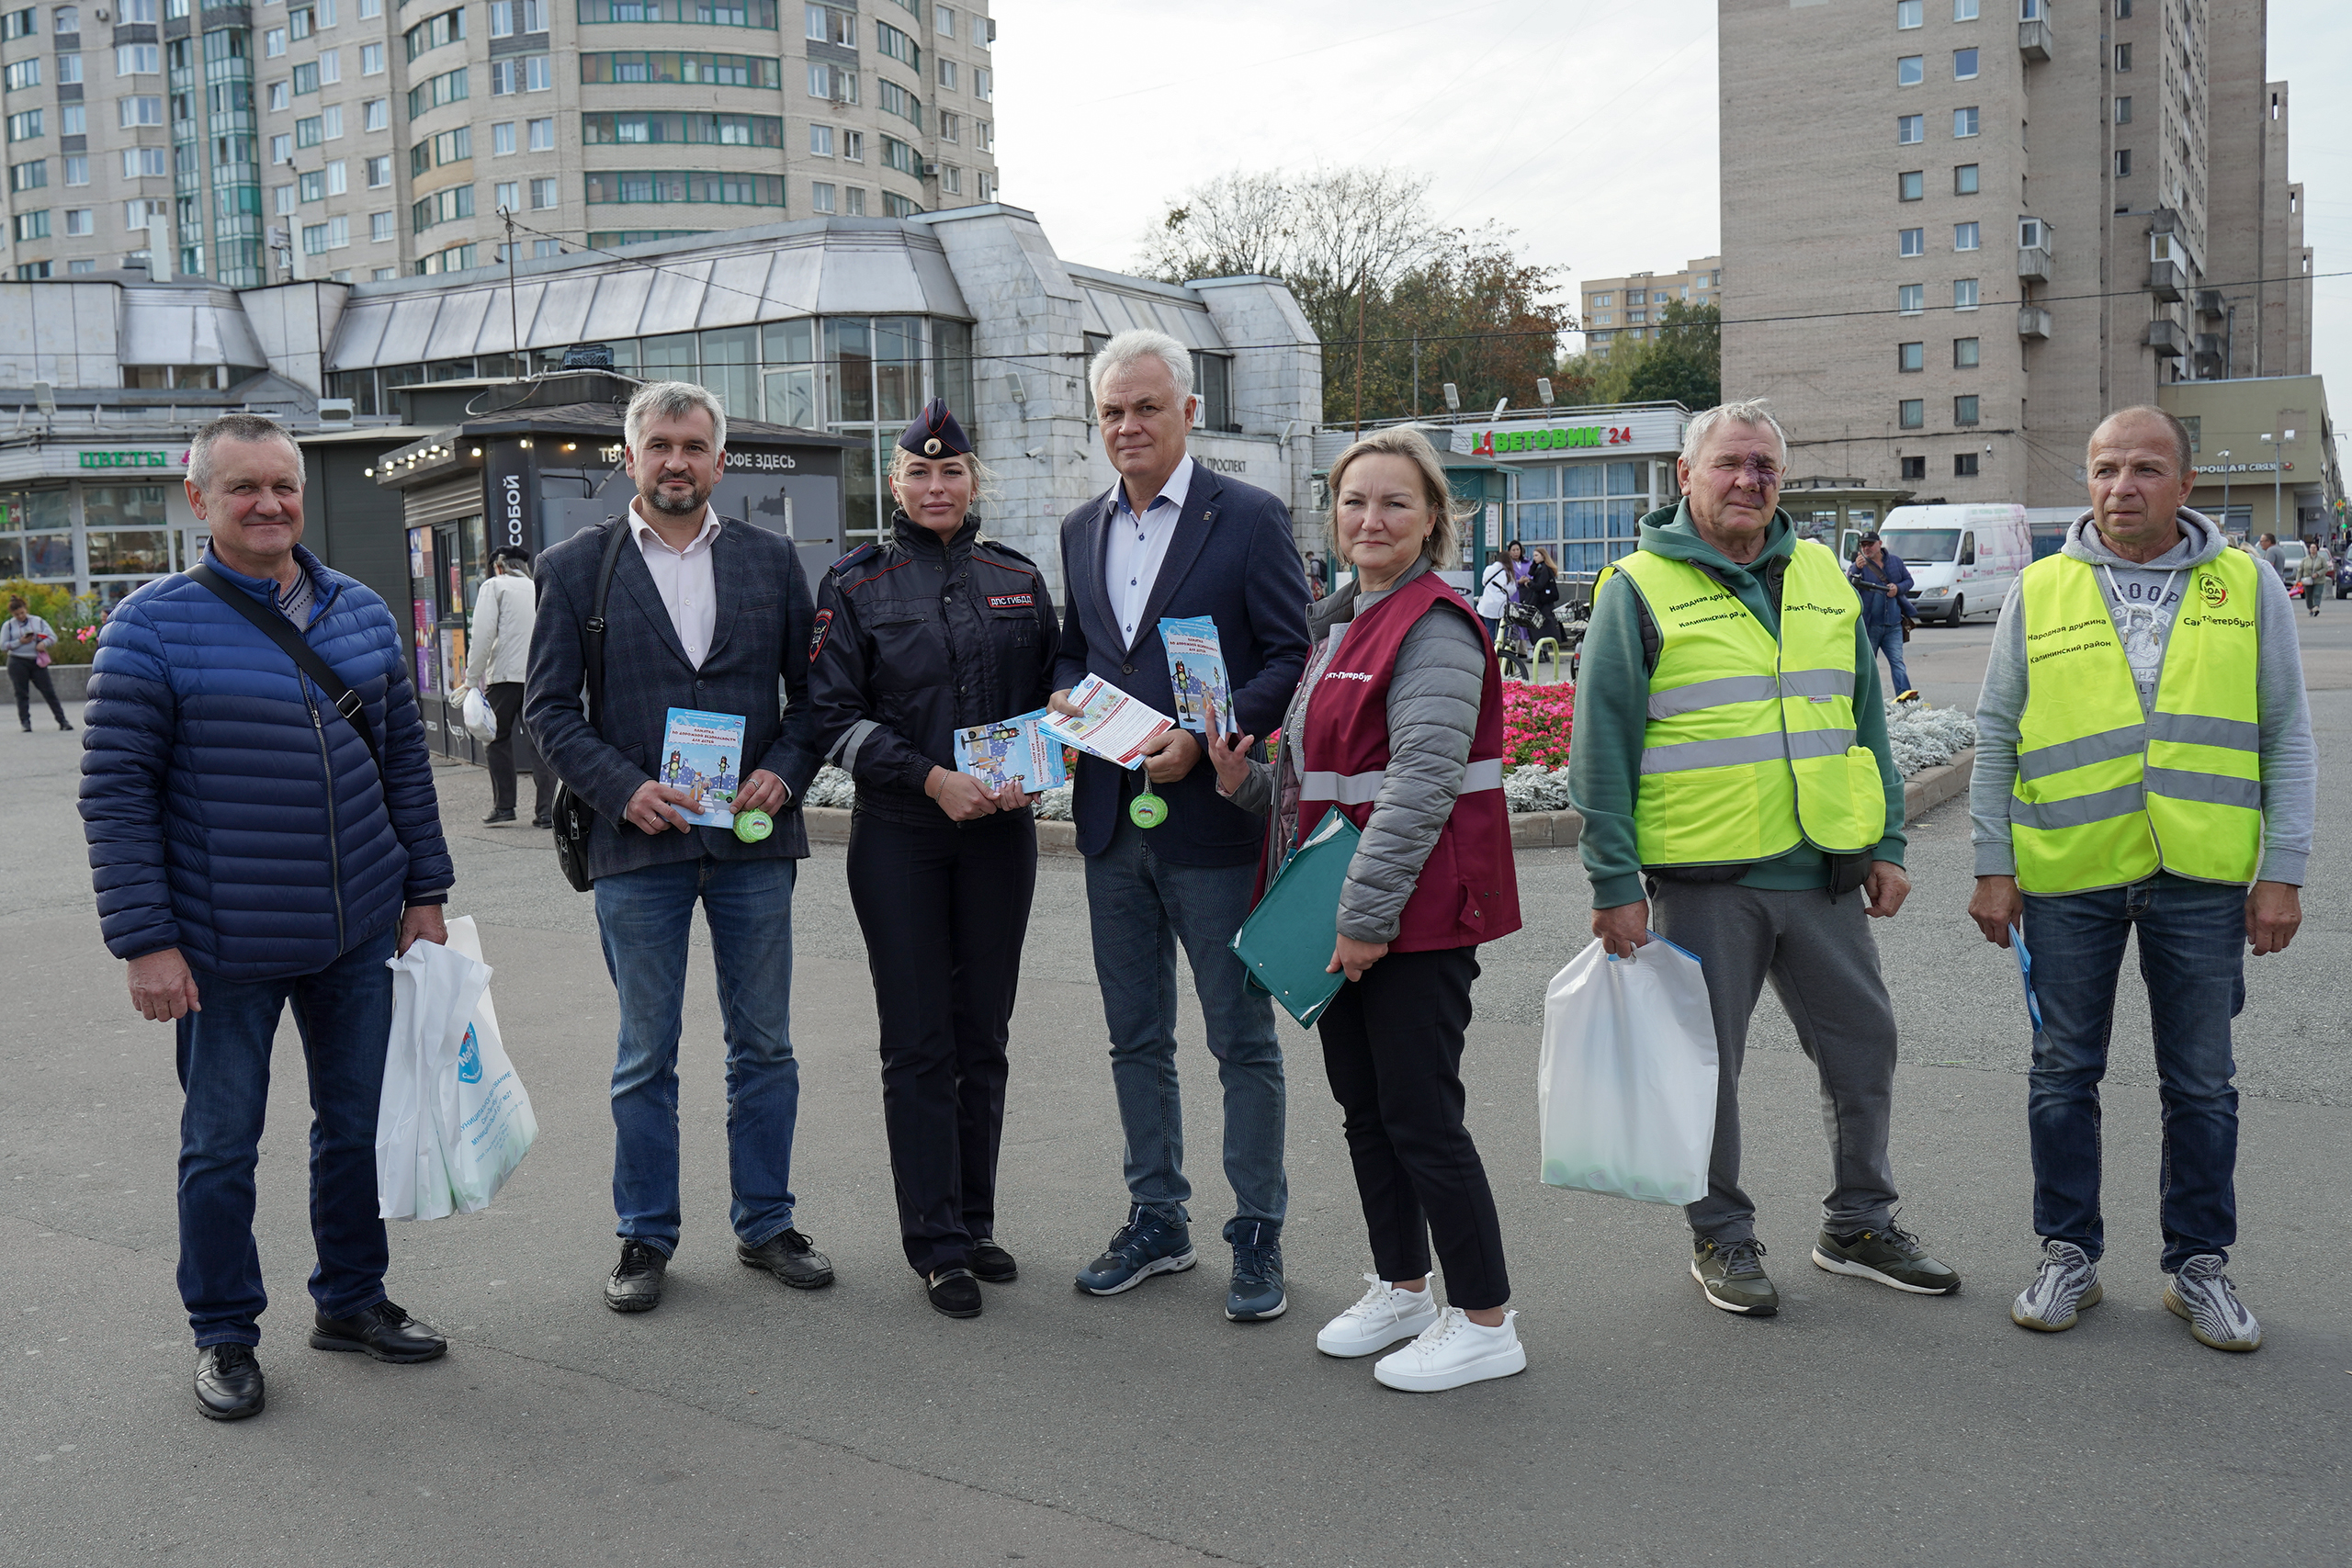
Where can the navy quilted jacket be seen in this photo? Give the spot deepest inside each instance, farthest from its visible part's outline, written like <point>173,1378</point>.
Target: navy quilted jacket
<point>230,811</point>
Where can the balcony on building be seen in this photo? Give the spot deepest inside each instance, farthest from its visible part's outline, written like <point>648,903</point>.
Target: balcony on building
<point>2167,338</point>
<point>2209,303</point>
<point>2167,282</point>
<point>2033,321</point>
<point>2034,240</point>
<point>2033,31</point>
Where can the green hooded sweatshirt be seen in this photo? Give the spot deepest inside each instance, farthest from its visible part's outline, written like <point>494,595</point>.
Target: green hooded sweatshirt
<point>1612,710</point>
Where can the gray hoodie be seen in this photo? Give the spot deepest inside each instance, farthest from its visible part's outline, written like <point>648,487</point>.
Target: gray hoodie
<point>2142,600</point>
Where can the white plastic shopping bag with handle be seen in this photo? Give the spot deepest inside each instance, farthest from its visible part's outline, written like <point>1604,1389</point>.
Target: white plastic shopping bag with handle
<point>1626,1088</point>
<point>484,1116</point>
<point>412,1180</point>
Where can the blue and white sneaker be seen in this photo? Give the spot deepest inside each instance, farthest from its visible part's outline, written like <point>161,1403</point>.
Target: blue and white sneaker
<point>1145,1246</point>
<point>1255,1293</point>
<point>2202,1295</point>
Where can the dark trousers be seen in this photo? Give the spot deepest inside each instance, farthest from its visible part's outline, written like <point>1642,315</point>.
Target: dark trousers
<point>344,1015</point>
<point>505,700</point>
<point>28,673</point>
<point>944,909</point>
<point>2192,956</point>
<point>1392,1048</point>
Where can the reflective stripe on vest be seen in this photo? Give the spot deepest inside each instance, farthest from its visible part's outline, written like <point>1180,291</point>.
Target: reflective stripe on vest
<point>1360,789</point>
<point>2104,797</point>
<point>1750,746</point>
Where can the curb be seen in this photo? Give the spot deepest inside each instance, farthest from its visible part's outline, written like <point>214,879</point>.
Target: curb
<point>1930,787</point>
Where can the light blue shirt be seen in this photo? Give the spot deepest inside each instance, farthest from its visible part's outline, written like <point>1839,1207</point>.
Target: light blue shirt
<point>1132,556</point>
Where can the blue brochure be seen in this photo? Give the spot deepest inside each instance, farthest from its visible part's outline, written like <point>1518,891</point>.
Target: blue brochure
<point>702,754</point>
<point>2024,974</point>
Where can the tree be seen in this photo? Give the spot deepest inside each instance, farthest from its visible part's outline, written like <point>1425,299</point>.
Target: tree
<point>1681,362</point>
<point>1365,256</point>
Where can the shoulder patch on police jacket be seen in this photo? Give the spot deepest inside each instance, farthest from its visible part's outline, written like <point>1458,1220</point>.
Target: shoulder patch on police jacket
<point>816,637</point>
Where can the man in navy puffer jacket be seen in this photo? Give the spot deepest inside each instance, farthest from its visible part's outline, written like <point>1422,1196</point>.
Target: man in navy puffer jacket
<point>247,851</point>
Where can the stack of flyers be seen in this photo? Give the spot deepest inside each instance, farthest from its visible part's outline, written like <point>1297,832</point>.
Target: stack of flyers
<point>1013,750</point>
<point>1196,671</point>
<point>1112,724</point>
<point>702,754</point>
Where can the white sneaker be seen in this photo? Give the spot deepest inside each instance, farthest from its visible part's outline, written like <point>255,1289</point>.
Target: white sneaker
<point>2202,1294</point>
<point>2066,1282</point>
<point>1385,1315</point>
<point>1453,1351</point>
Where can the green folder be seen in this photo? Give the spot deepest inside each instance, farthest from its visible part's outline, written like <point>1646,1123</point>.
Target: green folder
<point>1286,942</point>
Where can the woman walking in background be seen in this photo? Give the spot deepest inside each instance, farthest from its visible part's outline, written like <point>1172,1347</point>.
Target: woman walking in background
<point>26,639</point>
<point>498,652</point>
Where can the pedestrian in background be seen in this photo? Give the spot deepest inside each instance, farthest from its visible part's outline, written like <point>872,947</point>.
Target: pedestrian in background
<point>1399,725</point>
<point>498,657</point>
<point>1494,595</point>
<point>935,630</point>
<point>707,613</point>
<point>1541,593</point>
<point>255,843</point>
<point>1731,763</point>
<point>2315,574</point>
<point>1884,584</point>
<point>2151,774</point>
<point>2275,556</point>
<point>1175,538</point>
<point>26,639</point>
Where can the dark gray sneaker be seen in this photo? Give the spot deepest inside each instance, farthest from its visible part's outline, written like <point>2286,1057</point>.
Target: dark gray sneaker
<point>1255,1293</point>
<point>1733,1277</point>
<point>791,1258</point>
<point>636,1284</point>
<point>1890,1255</point>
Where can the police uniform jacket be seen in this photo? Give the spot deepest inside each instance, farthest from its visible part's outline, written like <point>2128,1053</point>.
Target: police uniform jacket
<point>916,639</point>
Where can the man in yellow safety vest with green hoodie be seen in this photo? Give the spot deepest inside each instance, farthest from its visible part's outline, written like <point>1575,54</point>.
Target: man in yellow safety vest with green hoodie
<point>2143,762</point>
<point>1731,765</point>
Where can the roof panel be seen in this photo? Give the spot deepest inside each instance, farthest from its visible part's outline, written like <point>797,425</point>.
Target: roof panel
<point>410,326</point>
<point>736,290</point>
<point>675,300</point>
<point>794,274</point>
<point>620,304</point>
<point>861,280</point>
<point>459,326</point>
<point>356,336</point>
<point>943,295</point>
<point>563,310</point>
<point>496,334</point>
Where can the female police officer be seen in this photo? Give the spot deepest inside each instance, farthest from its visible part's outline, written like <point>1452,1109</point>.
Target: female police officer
<point>932,630</point>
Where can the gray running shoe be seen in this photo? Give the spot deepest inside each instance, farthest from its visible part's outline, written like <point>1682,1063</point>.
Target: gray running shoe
<point>2067,1282</point>
<point>1733,1277</point>
<point>2202,1294</point>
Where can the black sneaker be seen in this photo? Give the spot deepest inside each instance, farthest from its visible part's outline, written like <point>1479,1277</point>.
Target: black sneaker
<point>1255,1294</point>
<point>791,1258</point>
<point>1733,1277</point>
<point>384,1331</point>
<point>1890,1255</point>
<point>636,1284</point>
<point>228,1382</point>
<point>498,815</point>
<point>992,1263</point>
<point>954,1293</point>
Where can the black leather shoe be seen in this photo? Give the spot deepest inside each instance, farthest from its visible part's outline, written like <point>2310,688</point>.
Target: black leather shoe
<point>993,1263</point>
<point>791,1259</point>
<point>636,1284</point>
<point>542,821</point>
<point>501,814</point>
<point>384,1331</point>
<point>228,1382</point>
<point>954,1293</point>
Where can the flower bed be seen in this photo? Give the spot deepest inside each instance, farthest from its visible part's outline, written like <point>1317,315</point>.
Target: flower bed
<point>75,618</point>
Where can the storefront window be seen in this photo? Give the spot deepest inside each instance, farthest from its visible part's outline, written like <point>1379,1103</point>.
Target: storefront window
<point>849,349</point>
<point>1596,518</point>
<point>49,557</point>
<point>671,359</point>
<point>729,369</point>
<point>119,550</point>
<point>898,369</point>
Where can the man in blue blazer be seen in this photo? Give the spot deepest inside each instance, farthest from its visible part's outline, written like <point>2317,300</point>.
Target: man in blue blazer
<point>709,614</point>
<point>1174,539</point>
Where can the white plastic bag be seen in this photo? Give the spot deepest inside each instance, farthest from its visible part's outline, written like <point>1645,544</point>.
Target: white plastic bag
<point>454,1121</point>
<point>481,723</point>
<point>1626,1088</point>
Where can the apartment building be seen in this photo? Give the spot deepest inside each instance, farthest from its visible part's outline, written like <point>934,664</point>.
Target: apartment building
<point>1631,307</point>
<point>1961,231</point>
<point>359,140</point>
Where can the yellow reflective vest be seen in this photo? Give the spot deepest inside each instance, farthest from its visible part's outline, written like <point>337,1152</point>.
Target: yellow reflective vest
<point>2106,794</point>
<point>1750,747</point>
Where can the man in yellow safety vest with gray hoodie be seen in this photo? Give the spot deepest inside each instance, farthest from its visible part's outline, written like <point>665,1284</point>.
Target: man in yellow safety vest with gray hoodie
<point>2143,762</point>
<point>1731,763</point>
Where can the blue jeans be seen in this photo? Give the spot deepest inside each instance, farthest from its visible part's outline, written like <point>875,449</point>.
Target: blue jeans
<point>1140,908</point>
<point>644,918</point>
<point>343,1013</point>
<point>2192,956</point>
<point>1889,641</point>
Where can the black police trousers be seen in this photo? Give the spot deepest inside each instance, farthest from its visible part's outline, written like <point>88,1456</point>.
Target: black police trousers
<point>944,909</point>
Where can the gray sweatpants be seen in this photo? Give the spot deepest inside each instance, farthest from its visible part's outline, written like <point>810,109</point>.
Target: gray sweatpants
<point>1822,964</point>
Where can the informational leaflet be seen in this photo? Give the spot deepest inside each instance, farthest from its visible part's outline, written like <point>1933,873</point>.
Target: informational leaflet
<point>1112,724</point>
<point>1013,750</point>
<point>702,754</point>
<point>1196,669</point>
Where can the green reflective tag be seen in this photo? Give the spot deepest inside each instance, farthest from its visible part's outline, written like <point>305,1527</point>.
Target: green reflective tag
<point>1147,810</point>
<point>753,826</point>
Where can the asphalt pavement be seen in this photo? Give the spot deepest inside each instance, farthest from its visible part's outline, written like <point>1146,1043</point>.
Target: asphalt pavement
<point>745,1423</point>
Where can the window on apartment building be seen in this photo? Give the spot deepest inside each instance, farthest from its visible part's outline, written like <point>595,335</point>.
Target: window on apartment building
<point>1911,242</point>
<point>984,135</point>
<point>540,249</point>
<point>1963,294</point>
<point>81,221</point>
<point>1910,356</point>
<point>28,176</point>
<point>69,69</point>
<point>74,120</point>
<point>1964,122</point>
<point>1965,352</point>
<point>274,96</point>
<point>1911,414</point>
<point>281,150</point>
<point>507,194</point>
<point>1910,128</point>
<point>542,135</point>
<point>379,227</point>
<point>1964,237</point>
<point>2122,57</point>
<point>951,179</point>
<point>371,59</point>
<point>314,184</point>
<point>33,226</point>
<point>854,146</point>
<point>69,18</point>
<point>2123,110</point>
<point>1602,301</point>
<point>136,112</point>
<point>828,26</point>
<point>853,201</point>
<point>2122,163</point>
<point>943,18</point>
<point>2033,10</point>
<point>273,43</point>
<point>1964,180</point>
<point>1911,70</point>
<point>502,138</point>
<point>338,178</point>
<point>1963,10</point>
<point>1637,316</point>
<point>1963,64</point>
<point>25,125</point>
<point>1963,409</point>
<point>821,196</point>
<point>1915,467</point>
<point>1963,465</point>
<point>1911,187</point>
<point>379,172</point>
<point>331,118</point>
<point>77,168</point>
<point>951,126</point>
<point>376,114</point>
<point>22,74</point>
<point>820,141</point>
<point>983,83</point>
<point>1910,14</point>
<point>946,73</point>
<point>1911,299</point>
<point>281,199</point>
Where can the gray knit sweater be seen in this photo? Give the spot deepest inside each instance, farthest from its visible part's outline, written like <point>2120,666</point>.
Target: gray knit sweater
<point>1432,712</point>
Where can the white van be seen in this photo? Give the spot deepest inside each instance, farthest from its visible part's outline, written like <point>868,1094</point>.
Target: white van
<point>1962,558</point>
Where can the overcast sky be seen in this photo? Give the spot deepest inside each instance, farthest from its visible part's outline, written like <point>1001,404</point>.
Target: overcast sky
<point>1586,125</point>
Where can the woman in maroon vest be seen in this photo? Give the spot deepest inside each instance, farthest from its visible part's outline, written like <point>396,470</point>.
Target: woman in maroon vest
<point>1398,726</point>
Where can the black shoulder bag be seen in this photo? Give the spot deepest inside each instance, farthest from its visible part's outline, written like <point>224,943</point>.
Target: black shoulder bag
<point>280,630</point>
<point>574,818</point>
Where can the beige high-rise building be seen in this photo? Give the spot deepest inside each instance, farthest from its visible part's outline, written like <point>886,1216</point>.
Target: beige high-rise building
<point>1631,307</point>
<point>365,139</point>
<point>1957,232</point>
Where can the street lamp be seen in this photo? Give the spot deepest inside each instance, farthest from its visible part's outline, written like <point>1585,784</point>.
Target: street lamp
<point>2225,454</point>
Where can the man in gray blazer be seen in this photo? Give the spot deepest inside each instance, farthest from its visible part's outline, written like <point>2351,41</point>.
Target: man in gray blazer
<point>704,614</point>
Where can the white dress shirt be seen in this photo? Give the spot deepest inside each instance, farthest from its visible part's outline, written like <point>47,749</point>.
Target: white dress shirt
<point>684,580</point>
<point>1136,547</point>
